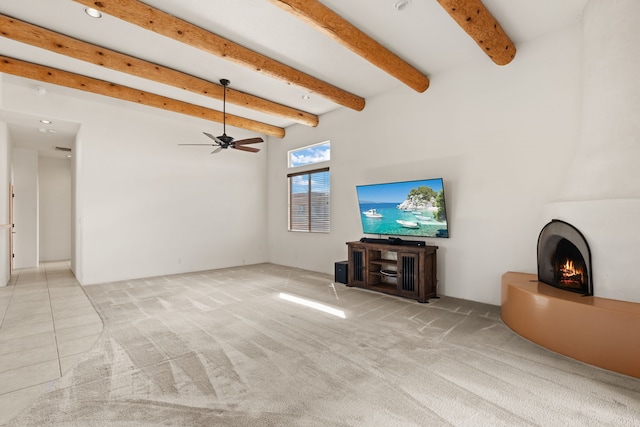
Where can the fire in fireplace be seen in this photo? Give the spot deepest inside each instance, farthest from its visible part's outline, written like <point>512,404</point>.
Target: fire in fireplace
<point>564,258</point>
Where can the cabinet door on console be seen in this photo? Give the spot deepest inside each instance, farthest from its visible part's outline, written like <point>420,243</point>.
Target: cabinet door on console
<point>357,264</point>
<point>408,274</point>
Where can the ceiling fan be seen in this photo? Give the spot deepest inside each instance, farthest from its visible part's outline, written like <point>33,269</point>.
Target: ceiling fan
<point>225,141</point>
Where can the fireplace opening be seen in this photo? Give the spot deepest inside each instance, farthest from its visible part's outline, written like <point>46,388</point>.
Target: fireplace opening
<point>569,268</point>
<point>564,258</point>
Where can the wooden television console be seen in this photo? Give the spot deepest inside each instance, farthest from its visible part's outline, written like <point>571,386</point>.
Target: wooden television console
<point>396,269</point>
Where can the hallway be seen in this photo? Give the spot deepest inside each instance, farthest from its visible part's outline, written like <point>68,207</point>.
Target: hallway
<point>46,324</point>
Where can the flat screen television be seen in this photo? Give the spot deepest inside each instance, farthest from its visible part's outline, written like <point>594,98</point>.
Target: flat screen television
<point>408,208</point>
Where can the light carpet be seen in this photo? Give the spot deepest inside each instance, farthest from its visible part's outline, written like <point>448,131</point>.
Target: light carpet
<point>236,347</point>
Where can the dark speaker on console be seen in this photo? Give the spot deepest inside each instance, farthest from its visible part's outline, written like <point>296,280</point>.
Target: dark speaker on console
<point>341,272</point>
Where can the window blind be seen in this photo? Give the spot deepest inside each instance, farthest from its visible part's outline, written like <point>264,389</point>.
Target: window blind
<point>309,207</point>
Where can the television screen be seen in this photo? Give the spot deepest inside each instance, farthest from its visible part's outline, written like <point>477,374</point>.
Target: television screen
<point>409,208</point>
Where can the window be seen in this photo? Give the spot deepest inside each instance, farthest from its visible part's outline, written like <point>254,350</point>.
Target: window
<point>309,201</point>
<point>310,154</point>
<point>309,191</point>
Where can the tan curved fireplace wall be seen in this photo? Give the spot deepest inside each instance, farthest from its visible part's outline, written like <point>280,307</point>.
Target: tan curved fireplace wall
<point>597,331</point>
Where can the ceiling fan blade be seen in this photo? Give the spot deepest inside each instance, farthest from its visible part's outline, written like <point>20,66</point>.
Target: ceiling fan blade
<point>216,150</point>
<point>249,149</point>
<point>248,141</point>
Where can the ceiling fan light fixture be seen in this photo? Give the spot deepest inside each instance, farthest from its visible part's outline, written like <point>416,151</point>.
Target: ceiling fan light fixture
<point>94,13</point>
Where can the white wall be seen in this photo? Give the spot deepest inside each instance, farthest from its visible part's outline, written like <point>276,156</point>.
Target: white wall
<point>606,163</point>
<point>25,207</point>
<point>76,200</point>
<point>151,207</point>
<point>499,136</point>
<point>5,228</point>
<point>54,182</point>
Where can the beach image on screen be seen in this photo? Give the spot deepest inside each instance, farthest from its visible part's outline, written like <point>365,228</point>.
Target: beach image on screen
<point>410,208</point>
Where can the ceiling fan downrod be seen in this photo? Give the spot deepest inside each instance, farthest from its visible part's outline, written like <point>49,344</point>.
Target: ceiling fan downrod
<point>224,137</point>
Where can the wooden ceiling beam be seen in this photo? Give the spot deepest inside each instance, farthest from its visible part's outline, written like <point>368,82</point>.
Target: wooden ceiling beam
<point>76,81</point>
<point>477,21</point>
<point>333,25</point>
<point>25,32</point>
<point>152,19</point>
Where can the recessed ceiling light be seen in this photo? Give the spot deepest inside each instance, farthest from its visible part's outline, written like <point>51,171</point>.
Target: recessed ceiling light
<point>306,96</point>
<point>43,130</point>
<point>53,131</point>
<point>46,122</point>
<point>94,13</point>
<point>40,90</point>
<point>401,4</point>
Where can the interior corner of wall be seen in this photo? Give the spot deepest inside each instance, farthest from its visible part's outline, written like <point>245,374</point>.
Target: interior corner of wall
<point>1,87</point>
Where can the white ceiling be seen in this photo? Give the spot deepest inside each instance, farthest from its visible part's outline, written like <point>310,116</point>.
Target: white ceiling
<point>422,34</point>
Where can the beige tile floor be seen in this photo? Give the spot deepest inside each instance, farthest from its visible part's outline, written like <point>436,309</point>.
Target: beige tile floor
<point>46,325</point>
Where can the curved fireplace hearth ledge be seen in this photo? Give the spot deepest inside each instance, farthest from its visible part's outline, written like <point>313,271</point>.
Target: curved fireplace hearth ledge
<point>598,331</point>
